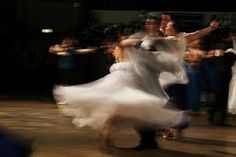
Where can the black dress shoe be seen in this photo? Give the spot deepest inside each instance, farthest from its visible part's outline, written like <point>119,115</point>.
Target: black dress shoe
<point>152,146</point>
<point>142,146</point>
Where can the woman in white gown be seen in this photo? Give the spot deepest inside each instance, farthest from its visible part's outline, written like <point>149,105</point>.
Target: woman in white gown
<point>130,96</point>
<point>232,91</point>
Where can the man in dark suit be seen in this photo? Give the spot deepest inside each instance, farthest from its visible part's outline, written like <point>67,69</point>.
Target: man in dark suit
<point>147,134</point>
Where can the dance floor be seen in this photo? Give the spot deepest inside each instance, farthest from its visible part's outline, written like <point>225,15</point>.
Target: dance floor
<point>53,134</point>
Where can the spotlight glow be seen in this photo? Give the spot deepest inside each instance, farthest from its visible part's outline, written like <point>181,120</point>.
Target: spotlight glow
<point>47,30</point>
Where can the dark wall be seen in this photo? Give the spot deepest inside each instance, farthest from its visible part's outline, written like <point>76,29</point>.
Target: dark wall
<point>25,62</point>
<point>59,14</point>
<point>8,12</point>
<point>63,14</point>
<point>163,5</point>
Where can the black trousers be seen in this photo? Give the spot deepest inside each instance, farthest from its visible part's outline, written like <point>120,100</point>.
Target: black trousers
<point>147,135</point>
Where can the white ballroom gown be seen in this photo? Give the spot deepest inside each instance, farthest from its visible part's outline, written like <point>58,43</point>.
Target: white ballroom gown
<point>232,91</point>
<point>131,91</point>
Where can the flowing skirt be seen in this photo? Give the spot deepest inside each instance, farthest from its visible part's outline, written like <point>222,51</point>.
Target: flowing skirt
<point>118,94</point>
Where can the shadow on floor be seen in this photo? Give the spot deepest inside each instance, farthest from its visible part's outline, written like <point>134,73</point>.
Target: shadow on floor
<point>120,152</point>
<point>210,142</point>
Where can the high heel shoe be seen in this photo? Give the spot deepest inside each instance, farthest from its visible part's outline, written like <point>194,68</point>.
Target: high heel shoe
<point>169,134</point>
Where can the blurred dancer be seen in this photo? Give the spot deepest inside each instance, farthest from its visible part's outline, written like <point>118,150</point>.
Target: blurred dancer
<point>130,96</point>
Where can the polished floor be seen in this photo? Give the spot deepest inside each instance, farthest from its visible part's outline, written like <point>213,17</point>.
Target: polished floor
<point>54,135</point>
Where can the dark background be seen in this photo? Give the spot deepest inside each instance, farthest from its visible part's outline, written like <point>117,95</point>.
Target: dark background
<point>167,5</point>
<point>26,67</point>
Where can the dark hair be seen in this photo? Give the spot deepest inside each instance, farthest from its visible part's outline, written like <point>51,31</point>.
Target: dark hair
<point>73,38</point>
<point>111,33</point>
<point>178,26</point>
<point>156,18</point>
<point>166,13</point>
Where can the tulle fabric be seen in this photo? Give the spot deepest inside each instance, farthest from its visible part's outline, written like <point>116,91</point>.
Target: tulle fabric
<point>166,56</point>
<point>132,92</point>
<point>232,92</point>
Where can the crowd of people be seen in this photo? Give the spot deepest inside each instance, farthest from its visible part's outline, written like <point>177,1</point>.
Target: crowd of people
<point>150,79</point>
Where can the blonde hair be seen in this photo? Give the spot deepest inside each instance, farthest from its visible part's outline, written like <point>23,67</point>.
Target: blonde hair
<point>118,54</point>
<point>119,49</point>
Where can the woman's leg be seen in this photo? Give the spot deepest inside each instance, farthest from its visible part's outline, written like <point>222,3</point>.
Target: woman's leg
<point>108,130</point>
